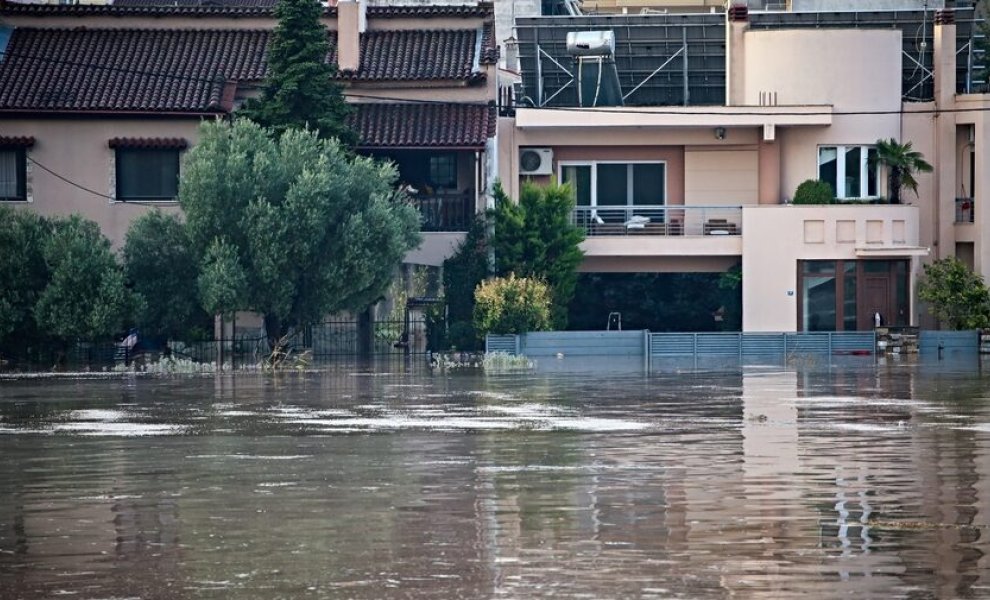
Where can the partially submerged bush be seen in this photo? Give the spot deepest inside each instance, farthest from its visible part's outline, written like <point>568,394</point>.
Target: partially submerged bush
<point>511,305</point>
<point>814,191</point>
<point>496,362</point>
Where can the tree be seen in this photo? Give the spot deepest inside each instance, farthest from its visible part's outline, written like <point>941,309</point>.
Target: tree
<point>311,229</point>
<point>814,191</point>
<point>462,273</point>
<point>86,296</point>
<point>160,264</point>
<point>955,295</point>
<point>901,163</point>
<point>511,305</point>
<point>23,272</point>
<point>299,90</point>
<point>537,238</point>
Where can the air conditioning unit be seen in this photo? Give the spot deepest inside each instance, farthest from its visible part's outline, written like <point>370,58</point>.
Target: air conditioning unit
<point>536,161</point>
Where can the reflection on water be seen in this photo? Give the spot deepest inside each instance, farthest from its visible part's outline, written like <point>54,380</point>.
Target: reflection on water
<point>747,483</point>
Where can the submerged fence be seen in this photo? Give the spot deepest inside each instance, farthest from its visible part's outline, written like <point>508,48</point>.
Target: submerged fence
<point>693,346</point>
<point>322,341</point>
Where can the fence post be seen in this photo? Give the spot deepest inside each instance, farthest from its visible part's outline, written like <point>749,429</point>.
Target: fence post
<point>646,350</point>
<point>518,341</point>
<point>694,346</point>
<point>830,334</point>
<point>784,334</point>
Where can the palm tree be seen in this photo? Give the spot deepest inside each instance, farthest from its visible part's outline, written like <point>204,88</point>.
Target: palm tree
<point>902,163</point>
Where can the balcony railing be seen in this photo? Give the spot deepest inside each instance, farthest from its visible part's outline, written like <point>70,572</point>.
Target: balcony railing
<point>445,212</point>
<point>964,210</point>
<point>659,220</point>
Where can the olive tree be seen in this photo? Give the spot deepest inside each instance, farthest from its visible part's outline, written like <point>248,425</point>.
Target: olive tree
<point>301,227</point>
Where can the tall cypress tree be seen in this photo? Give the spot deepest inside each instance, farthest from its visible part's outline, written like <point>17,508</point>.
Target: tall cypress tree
<point>299,89</point>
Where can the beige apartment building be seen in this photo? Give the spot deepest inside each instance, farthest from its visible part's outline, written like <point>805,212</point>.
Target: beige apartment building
<point>685,159</point>
<point>99,102</point>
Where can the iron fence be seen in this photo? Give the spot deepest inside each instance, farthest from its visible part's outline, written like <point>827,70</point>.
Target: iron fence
<point>660,220</point>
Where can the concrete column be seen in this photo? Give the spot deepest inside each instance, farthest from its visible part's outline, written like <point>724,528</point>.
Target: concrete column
<point>769,175</point>
<point>944,159</point>
<point>735,48</point>
<point>351,23</point>
<point>981,195</point>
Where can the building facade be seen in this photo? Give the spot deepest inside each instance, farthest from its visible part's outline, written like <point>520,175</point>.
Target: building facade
<point>686,159</point>
<point>98,103</point>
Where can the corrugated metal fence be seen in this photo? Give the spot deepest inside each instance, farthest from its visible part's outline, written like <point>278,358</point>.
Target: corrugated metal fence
<point>949,342</point>
<point>725,345</point>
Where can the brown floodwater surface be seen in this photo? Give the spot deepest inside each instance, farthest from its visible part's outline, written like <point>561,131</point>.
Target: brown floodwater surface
<point>398,483</point>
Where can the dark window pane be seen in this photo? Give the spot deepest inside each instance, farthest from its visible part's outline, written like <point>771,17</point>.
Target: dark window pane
<point>612,184</point>
<point>648,184</point>
<point>443,171</point>
<point>876,266</point>
<point>147,174</point>
<point>849,295</point>
<point>819,266</point>
<point>579,176</point>
<point>828,170</point>
<point>853,174</point>
<point>818,303</point>
<point>12,174</point>
<point>902,281</point>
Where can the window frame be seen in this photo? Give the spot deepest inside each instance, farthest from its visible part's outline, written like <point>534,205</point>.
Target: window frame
<point>840,171</point>
<point>119,197</point>
<point>20,156</point>
<point>429,170</point>
<point>630,192</point>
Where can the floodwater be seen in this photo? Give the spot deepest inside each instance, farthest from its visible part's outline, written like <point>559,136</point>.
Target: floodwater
<point>862,481</point>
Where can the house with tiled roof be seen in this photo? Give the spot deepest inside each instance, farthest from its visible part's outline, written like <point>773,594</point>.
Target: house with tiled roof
<point>98,102</point>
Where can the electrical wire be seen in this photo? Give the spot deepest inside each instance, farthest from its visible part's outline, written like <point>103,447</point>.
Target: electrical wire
<point>67,180</point>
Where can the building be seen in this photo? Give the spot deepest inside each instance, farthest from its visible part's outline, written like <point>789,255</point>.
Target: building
<point>98,102</point>
<point>686,136</point>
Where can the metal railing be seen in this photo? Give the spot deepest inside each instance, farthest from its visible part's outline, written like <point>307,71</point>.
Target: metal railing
<point>445,212</point>
<point>964,210</point>
<point>659,220</point>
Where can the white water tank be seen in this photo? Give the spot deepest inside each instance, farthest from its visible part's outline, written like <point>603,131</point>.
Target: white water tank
<point>591,43</point>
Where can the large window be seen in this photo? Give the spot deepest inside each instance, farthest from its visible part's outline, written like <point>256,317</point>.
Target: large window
<point>12,175</point>
<point>850,170</point>
<point>845,295</point>
<point>147,174</point>
<point>617,183</point>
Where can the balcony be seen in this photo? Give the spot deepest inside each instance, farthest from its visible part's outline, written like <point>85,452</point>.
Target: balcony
<point>659,220</point>
<point>445,212</point>
<point>964,210</point>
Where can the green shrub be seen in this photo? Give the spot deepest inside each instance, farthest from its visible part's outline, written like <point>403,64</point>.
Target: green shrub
<point>511,305</point>
<point>814,191</point>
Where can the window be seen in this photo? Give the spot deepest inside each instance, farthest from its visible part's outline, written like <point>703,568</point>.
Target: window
<point>12,175</point>
<point>852,171</point>
<point>617,183</point>
<point>149,174</point>
<point>443,171</point>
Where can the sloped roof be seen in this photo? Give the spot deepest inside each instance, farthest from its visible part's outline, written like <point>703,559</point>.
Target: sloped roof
<point>187,70</point>
<point>416,55</point>
<point>127,69</point>
<point>416,125</point>
<point>234,8</point>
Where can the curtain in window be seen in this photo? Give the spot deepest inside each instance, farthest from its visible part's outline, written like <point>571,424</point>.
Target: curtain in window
<point>144,174</point>
<point>9,187</point>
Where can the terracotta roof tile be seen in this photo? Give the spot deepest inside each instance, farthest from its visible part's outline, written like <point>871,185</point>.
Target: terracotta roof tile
<point>17,140</point>
<point>423,125</point>
<point>173,70</point>
<point>416,55</point>
<point>121,69</point>
<point>177,143</point>
<point>234,8</point>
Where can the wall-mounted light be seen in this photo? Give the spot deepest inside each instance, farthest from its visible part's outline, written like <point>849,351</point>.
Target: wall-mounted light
<point>720,133</point>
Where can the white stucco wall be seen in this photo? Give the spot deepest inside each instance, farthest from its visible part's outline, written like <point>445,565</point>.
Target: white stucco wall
<point>775,238</point>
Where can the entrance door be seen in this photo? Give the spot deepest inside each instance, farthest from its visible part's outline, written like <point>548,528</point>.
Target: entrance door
<point>874,299</point>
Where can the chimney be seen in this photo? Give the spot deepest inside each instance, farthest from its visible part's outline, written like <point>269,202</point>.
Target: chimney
<point>737,22</point>
<point>352,21</point>
<point>944,57</point>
